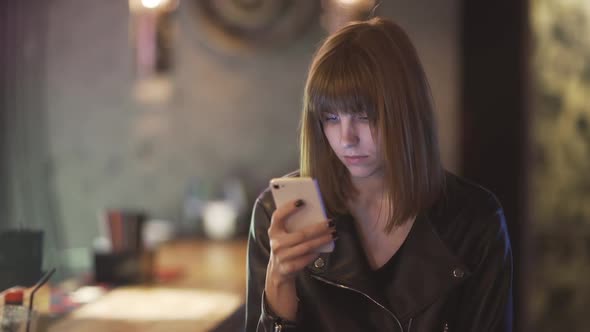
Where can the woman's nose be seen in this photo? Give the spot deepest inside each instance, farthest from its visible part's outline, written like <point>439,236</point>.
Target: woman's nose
<point>348,133</point>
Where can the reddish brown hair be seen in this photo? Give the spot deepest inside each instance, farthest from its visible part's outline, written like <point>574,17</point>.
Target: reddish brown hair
<point>372,67</point>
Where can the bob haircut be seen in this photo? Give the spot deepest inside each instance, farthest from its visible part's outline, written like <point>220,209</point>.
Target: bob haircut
<point>372,67</point>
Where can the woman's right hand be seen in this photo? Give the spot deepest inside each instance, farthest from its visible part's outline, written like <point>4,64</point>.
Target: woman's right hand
<point>290,253</point>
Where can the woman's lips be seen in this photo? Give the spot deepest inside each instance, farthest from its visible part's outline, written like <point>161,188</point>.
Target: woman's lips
<point>354,160</point>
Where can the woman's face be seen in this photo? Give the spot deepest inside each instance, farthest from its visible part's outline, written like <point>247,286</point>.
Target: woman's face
<point>352,141</point>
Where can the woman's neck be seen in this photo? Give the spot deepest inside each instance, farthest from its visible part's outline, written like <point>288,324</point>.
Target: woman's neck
<point>370,191</point>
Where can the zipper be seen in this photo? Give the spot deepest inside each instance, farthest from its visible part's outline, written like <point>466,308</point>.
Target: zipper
<point>410,324</point>
<point>278,327</point>
<point>365,295</point>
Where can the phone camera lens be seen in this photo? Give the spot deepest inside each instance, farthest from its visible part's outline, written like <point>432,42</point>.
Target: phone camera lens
<point>276,186</point>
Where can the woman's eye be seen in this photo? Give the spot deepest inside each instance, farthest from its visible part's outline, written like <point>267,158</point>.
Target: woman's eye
<point>362,117</point>
<point>330,117</point>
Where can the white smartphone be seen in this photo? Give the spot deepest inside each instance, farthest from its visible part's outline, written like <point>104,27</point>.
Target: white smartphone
<point>305,188</point>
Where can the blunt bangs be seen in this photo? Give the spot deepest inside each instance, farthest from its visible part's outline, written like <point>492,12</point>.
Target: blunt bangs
<point>344,82</point>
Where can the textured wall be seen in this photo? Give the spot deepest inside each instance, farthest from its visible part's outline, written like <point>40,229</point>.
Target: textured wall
<point>226,114</point>
<point>560,190</point>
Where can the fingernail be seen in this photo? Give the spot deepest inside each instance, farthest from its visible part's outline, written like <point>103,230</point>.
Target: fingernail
<point>299,203</point>
<point>331,223</point>
<point>334,235</point>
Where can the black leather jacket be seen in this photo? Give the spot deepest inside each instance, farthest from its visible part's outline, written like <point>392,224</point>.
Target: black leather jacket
<point>453,273</point>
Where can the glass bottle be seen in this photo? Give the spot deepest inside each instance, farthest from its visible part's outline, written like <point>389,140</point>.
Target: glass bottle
<point>13,314</point>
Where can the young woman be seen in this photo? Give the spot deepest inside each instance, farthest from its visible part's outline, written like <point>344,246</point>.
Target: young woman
<point>416,248</point>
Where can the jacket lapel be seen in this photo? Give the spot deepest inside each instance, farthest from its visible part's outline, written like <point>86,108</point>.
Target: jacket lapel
<point>347,265</point>
<point>425,268</point>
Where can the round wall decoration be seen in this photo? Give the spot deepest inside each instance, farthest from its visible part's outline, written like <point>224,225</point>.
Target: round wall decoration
<point>234,26</point>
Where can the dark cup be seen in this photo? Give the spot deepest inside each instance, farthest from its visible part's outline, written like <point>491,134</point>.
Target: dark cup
<point>124,268</point>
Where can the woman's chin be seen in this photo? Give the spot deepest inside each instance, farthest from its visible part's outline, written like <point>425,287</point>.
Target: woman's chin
<point>364,172</point>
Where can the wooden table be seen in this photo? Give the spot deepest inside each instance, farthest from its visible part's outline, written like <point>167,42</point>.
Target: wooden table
<point>209,267</point>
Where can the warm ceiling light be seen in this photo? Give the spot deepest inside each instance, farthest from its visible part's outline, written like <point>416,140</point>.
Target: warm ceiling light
<point>356,2</point>
<point>151,4</point>
<point>143,6</point>
<point>349,2</point>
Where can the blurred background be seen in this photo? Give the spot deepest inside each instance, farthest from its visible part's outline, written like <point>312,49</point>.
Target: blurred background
<point>177,113</point>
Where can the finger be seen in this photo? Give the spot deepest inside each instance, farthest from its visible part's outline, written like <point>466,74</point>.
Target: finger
<point>283,212</point>
<point>287,240</point>
<point>306,247</point>
<point>296,265</point>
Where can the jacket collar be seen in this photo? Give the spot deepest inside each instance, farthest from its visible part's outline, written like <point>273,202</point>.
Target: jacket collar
<point>425,269</point>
